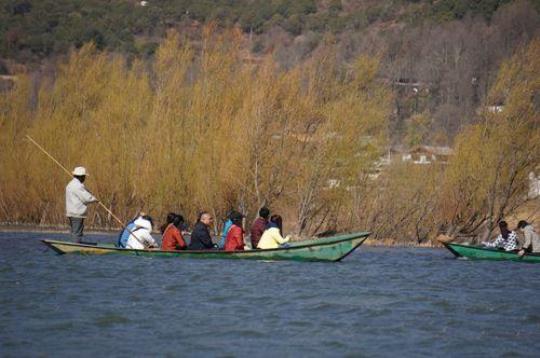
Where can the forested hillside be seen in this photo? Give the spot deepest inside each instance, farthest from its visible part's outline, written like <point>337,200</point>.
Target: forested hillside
<point>440,57</point>
<point>48,27</point>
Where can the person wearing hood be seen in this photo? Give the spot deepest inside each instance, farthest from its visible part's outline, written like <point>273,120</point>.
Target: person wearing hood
<point>272,237</point>
<point>532,240</point>
<point>140,237</point>
<point>130,226</point>
<point>77,200</point>
<point>235,236</point>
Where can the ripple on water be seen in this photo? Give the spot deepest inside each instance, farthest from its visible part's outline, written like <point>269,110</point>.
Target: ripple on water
<point>300,323</point>
<point>532,318</point>
<point>62,326</point>
<point>334,344</point>
<point>110,319</point>
<point>172,288</point>
<point>6,269</point>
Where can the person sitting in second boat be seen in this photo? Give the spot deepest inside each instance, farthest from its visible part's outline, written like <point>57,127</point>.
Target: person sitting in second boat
<point>235,236</point>
<point>172,237</point>
<point>200,236</point>
<point>532,240</point>
<point>141,237</point>
<point>507,240</point>
<point>272,237</point>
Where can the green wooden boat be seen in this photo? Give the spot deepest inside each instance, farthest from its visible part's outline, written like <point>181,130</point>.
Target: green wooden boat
<point>485,253</point>
<point>324,249</point>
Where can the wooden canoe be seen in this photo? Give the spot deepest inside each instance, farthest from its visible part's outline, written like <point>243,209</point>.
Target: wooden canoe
<point>324,249</point>
<point>486,253</point>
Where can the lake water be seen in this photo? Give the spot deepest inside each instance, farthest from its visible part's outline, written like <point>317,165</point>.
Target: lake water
<point>377,302</point>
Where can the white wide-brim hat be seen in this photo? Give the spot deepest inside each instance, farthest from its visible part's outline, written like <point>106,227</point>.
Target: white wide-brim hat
<point>80,171</point>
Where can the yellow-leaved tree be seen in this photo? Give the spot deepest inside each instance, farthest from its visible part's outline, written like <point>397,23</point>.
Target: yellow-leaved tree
<point>198,127</point>
<point>487,179</point>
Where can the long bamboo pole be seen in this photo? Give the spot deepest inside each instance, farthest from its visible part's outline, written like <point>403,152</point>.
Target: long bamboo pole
<point>70,175</point>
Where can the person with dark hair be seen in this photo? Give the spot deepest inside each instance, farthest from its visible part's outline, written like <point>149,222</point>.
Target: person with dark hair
<point>168,221</point>
<point>507,240</point>
<point>200,236</point>
<point>235,237</point>
<point>227,223</point>
<point>140,237</point>
<point>532,240</point>
<point>258,226</point>
<point>272,237</point>
<point>172,236</point>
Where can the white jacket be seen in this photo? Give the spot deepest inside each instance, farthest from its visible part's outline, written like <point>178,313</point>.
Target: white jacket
<point>140,238</point>
<point>77,197</point>
<point>532,240</point>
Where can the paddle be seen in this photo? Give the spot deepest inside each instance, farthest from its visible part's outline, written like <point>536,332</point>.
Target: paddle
<point>70,175</point>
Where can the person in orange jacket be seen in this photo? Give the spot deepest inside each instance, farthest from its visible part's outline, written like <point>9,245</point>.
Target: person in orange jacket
<point>235,237</point>
<point>172,237</point>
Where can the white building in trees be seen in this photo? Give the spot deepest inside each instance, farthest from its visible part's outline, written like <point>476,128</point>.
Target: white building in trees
<point>534,186</point>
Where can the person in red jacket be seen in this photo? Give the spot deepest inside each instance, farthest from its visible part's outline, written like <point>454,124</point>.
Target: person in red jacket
<point>235,237</point>
<point>172,237</point>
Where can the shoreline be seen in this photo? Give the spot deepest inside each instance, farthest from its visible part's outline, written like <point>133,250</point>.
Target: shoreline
<point>64,229</point>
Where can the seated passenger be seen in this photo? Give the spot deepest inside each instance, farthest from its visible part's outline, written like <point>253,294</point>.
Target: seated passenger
<point>140,237</point>
<point>532,240</point>
<point>507,240</point>
<point>258,226</point>
<point>226,226</point>
<point>272,237</point>
<point>124,234</point>
<point>200,236</point>
<point>172,237</point>
<point>168,221</point>
<point>235,236</point>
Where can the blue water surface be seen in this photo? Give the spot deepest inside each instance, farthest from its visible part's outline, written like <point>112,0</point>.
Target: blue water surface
<point>378,302</point>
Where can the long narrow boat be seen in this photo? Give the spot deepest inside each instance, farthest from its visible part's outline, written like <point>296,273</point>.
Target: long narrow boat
<point>485,253</point>
<point>324,249</point>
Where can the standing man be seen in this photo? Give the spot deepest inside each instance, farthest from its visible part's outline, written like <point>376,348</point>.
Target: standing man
<point>200,236</point>
<point>77,199</point>
<point>259,225</point>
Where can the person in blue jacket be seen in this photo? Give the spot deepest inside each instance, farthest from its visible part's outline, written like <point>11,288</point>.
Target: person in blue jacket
<point>126,231</point>
<point>226,226</point>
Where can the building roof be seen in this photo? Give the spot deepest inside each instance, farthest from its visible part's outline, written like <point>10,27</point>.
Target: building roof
<point>432,150</point>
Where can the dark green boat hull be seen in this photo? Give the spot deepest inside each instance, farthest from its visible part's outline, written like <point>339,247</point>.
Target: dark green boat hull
<point>484,253</point>
<point>325,249</point>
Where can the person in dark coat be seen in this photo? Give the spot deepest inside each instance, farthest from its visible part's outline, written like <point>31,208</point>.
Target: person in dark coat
<point>258,226</point>
<point>200,236</point>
